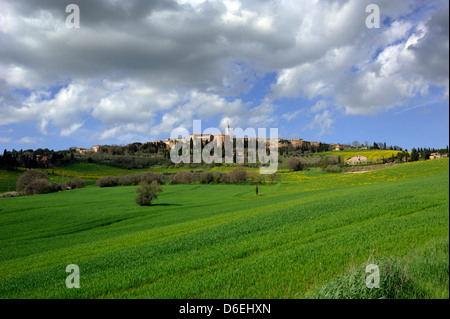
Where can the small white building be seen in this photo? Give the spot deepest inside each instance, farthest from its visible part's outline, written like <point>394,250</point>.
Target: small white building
<point>357,159</point>
<point>437,155</point>
<point>95,148</point>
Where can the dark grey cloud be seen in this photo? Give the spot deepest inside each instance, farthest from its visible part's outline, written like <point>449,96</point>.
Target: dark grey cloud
<point>431,52</point>
<point>131,60</point>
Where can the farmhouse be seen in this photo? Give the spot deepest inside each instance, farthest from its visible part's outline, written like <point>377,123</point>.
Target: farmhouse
<point>357,159</point>
<point>82,150</point>
<point>437,155</point>
<point>95,148</point>
<point>341,147</point>
<point>338,147</point>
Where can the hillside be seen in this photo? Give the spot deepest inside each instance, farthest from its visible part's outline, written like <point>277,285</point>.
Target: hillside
<point>372,155</point>
<point>306,233</point>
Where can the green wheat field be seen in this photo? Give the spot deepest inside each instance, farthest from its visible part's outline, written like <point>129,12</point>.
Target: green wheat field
<point>310,234</point>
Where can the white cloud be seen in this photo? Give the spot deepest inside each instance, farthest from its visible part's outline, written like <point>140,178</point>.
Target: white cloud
<point>323,122</point>
<point>71,129</point>
<point>27,140</point>
<point>145,67</point>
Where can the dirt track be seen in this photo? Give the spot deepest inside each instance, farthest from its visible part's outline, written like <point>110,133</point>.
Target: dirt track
<point>363,169</point>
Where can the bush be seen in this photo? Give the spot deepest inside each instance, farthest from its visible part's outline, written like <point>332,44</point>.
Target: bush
<point>273,178</point>
<point>235,176</point>
<point>396,283</point>
<point>73,184</point>
<point>255,178</point>
<point>294,164</point>
<point>78,182</point>
<point>147,192</point>
<point>28,177</point>
<point>182,177</point>
<point>332,169</point>
<point>149,177</point>
<point>166,177</point>
<point>56,187</point>
<point>206,178</point>
<point>108,181</point>
<point>10,194</point>
<point>38,186</point>
<point>217,177</point>
<point>127,180</point>
<point>325,161</point>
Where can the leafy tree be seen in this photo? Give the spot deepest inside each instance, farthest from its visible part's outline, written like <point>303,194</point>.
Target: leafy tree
<point>147,192</point>
<point>255,178</point>
<point>294,164</point>
<point>414,155</point>
<point>73,184</point>
<point>182,177</point>
<point>355,144</point>
<point>29,177</point>
<point>273,178</point>
<point>108,181</point>
<point>235,176</point>
<point>206,178</point>
<point>38,186</point>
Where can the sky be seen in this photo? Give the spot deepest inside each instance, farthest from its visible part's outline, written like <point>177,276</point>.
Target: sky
<point>136,70</point>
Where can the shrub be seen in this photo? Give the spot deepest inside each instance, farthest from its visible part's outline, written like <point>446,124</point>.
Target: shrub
<point>38,186</point>
<point>56,187</point>
<point>255,178</point>
<point>396,283</point>
<point>149,177</point>
<point>108,181</point>
<point>182,177</point>
<point>294,164</point>
<point>273,178</point>
<point>10,194</point>
<point>78,182</point>
<point>67,185</point>
<point>147,192</point>
<point>166,177</point>
<point>73,184</point>
<point>332,169</point>
<point>217,177</point>
<point>235,176</point>
<point>325,161</point>
<point>126,180</point>
<point>29,177</point>
<point>206,178</point>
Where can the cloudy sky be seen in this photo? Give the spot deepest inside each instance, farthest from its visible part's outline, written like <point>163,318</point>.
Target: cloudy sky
<point>135,70</point>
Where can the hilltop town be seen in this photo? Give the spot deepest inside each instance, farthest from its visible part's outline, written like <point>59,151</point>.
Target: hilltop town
<point>157,153</point>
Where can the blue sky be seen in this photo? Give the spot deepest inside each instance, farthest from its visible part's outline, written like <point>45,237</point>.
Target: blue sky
<point>135,71</point>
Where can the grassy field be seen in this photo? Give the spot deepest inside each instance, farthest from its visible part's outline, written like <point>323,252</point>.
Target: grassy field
<point>8,180</point>
<point>90,172</point>
<point>308,236</point>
